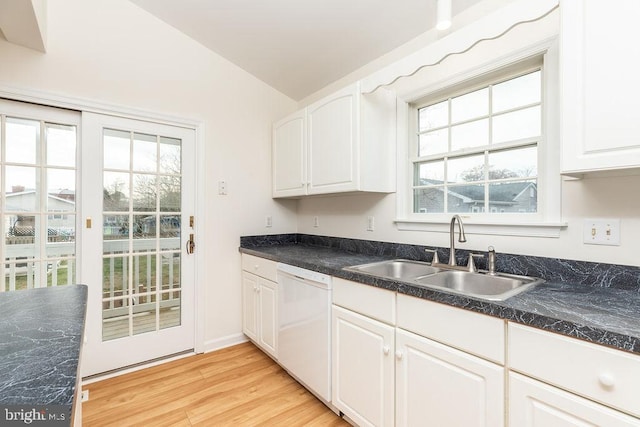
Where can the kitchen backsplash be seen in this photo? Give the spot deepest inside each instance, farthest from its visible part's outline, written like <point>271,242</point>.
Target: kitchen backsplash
<point>550,269</point>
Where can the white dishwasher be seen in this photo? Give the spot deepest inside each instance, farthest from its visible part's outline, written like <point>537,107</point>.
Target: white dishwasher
<point>304,327</point>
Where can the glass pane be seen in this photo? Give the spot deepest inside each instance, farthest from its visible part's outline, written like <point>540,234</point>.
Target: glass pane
<point>470,106</point>
<point>20,274</point>
<point>60,272</point>
<point>61,188</point>
<point>473,134</point>
<point>116,191</point>
<point>117,151</point>
<point>144,227</point>
<point>170,309</point>
<point>170,156</point>
<point>434,142</point>
<point>21,230</point>
<point>145,153</point>
<point>145,192</point>
<point>144,273</point>
<point>115,319</point>
<point>520,163</point>
<point>61,228</point>
<point>428,200</point>
<point>20,188</point>
<point>429,173</point>
<point>513,197</point>
<point>170,271</point>
<point>115,276</point>
<point>115,227</point>
<point>517,92</point>
<point>144,318</point>
<point>170,194</point>
<point>21,141</point>
<point>169,229</point>
<point>61,145</point>
<point>465,198</point>
<point>517,125</point>
<point>465,169</point>
<point>433,116</point>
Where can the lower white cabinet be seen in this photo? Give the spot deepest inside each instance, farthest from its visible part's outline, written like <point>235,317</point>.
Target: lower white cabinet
<point>260,312</point>
<point>437,385</point>
<point>536,404</point>
<point>363,368</point>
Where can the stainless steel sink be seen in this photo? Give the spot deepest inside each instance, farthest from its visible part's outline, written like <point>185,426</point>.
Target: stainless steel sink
<point>399,269</point>
<point>493,287</point>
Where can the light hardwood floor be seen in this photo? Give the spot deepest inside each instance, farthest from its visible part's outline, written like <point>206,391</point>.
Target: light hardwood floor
<point>236,386</point>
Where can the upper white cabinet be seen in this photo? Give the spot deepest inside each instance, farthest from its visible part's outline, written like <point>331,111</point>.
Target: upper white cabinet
<point>343,143</point>
<point>600,92</point>
<point>289,156</point>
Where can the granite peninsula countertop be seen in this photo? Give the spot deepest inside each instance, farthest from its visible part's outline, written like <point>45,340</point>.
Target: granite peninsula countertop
<point>41,333</point>
<point>601,315</point>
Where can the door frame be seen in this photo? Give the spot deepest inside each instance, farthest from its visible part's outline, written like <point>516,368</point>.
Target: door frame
<point>88,105</point>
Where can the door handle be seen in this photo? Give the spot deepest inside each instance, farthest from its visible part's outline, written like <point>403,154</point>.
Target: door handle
<point>191,244</point>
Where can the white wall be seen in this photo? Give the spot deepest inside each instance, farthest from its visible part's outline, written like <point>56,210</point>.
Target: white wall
<point>114,52</point>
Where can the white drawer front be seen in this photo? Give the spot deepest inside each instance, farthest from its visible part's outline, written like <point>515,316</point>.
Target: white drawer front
<point>368,300</point>
<point>605,375</point>
<point>474,333</point>
<point>260,267</point>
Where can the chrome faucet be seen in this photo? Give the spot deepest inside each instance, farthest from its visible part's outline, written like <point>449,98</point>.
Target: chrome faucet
<point>461,238</point>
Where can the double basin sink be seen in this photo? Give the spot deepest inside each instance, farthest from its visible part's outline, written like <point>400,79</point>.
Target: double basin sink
<point>495,287</point>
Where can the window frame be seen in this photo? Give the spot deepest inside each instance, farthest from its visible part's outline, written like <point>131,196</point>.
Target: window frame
<point>547,222</point>
<point>493,79</point>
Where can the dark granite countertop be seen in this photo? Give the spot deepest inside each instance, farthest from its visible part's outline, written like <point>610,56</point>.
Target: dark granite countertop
<point>41,333</point>
<point>602,315</point>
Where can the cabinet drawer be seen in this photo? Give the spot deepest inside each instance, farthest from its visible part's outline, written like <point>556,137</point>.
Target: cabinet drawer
<point>608,376</point>
<point>368,300</point>
<point>474,333</point>
<point>260,267</point>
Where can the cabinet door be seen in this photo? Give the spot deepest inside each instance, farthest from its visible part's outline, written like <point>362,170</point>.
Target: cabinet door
<point>268,316</point>
<point>600,96</point>
<point>289,156</point>
<point>250,305</point>
<point>437,385</point>
<point>362,368</point>
<point>535,404</point>
<point>332,128</point>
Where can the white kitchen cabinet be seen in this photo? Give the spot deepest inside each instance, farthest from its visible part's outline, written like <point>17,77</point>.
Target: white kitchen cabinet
<point>289,156</point>
<point>536,404</point>
<point>600,96</point>
<point>345,142</point>
<point>607,380</point>
<point>260,303</point>
<point>437,385</point>
<point>363,368</point>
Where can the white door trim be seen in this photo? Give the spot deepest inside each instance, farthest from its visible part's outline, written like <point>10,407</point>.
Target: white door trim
<point>84,104</point>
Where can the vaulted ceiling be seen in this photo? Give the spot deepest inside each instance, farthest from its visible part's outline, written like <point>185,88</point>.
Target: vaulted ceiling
<point>300,46</point>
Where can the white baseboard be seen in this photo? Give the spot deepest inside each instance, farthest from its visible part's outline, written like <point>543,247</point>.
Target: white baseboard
<point>223,342</point>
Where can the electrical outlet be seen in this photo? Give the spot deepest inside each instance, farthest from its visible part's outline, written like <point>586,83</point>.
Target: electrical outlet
<point>316,222</point>
<point>222,188</point>
<point>268,221</point>
<point>601,231</point>
<point>371,223</point>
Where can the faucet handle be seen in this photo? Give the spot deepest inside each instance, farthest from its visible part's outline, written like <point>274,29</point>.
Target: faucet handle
<point>472,265</point>
<point>435,259</point>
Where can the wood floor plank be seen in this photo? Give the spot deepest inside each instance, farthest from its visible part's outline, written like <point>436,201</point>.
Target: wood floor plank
<point>236,386</point>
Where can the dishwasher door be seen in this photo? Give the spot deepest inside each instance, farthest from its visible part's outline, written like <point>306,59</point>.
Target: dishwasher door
<point>304,325</point>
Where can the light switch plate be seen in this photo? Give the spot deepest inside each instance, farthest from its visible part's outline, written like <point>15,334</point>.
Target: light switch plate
<point>601,231</point>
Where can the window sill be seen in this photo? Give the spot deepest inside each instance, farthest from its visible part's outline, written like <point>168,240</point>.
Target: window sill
<point>524,229</point>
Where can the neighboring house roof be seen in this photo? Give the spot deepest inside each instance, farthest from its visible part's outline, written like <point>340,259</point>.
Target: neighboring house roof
<point>10,196</point>
<point>505,193</point>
